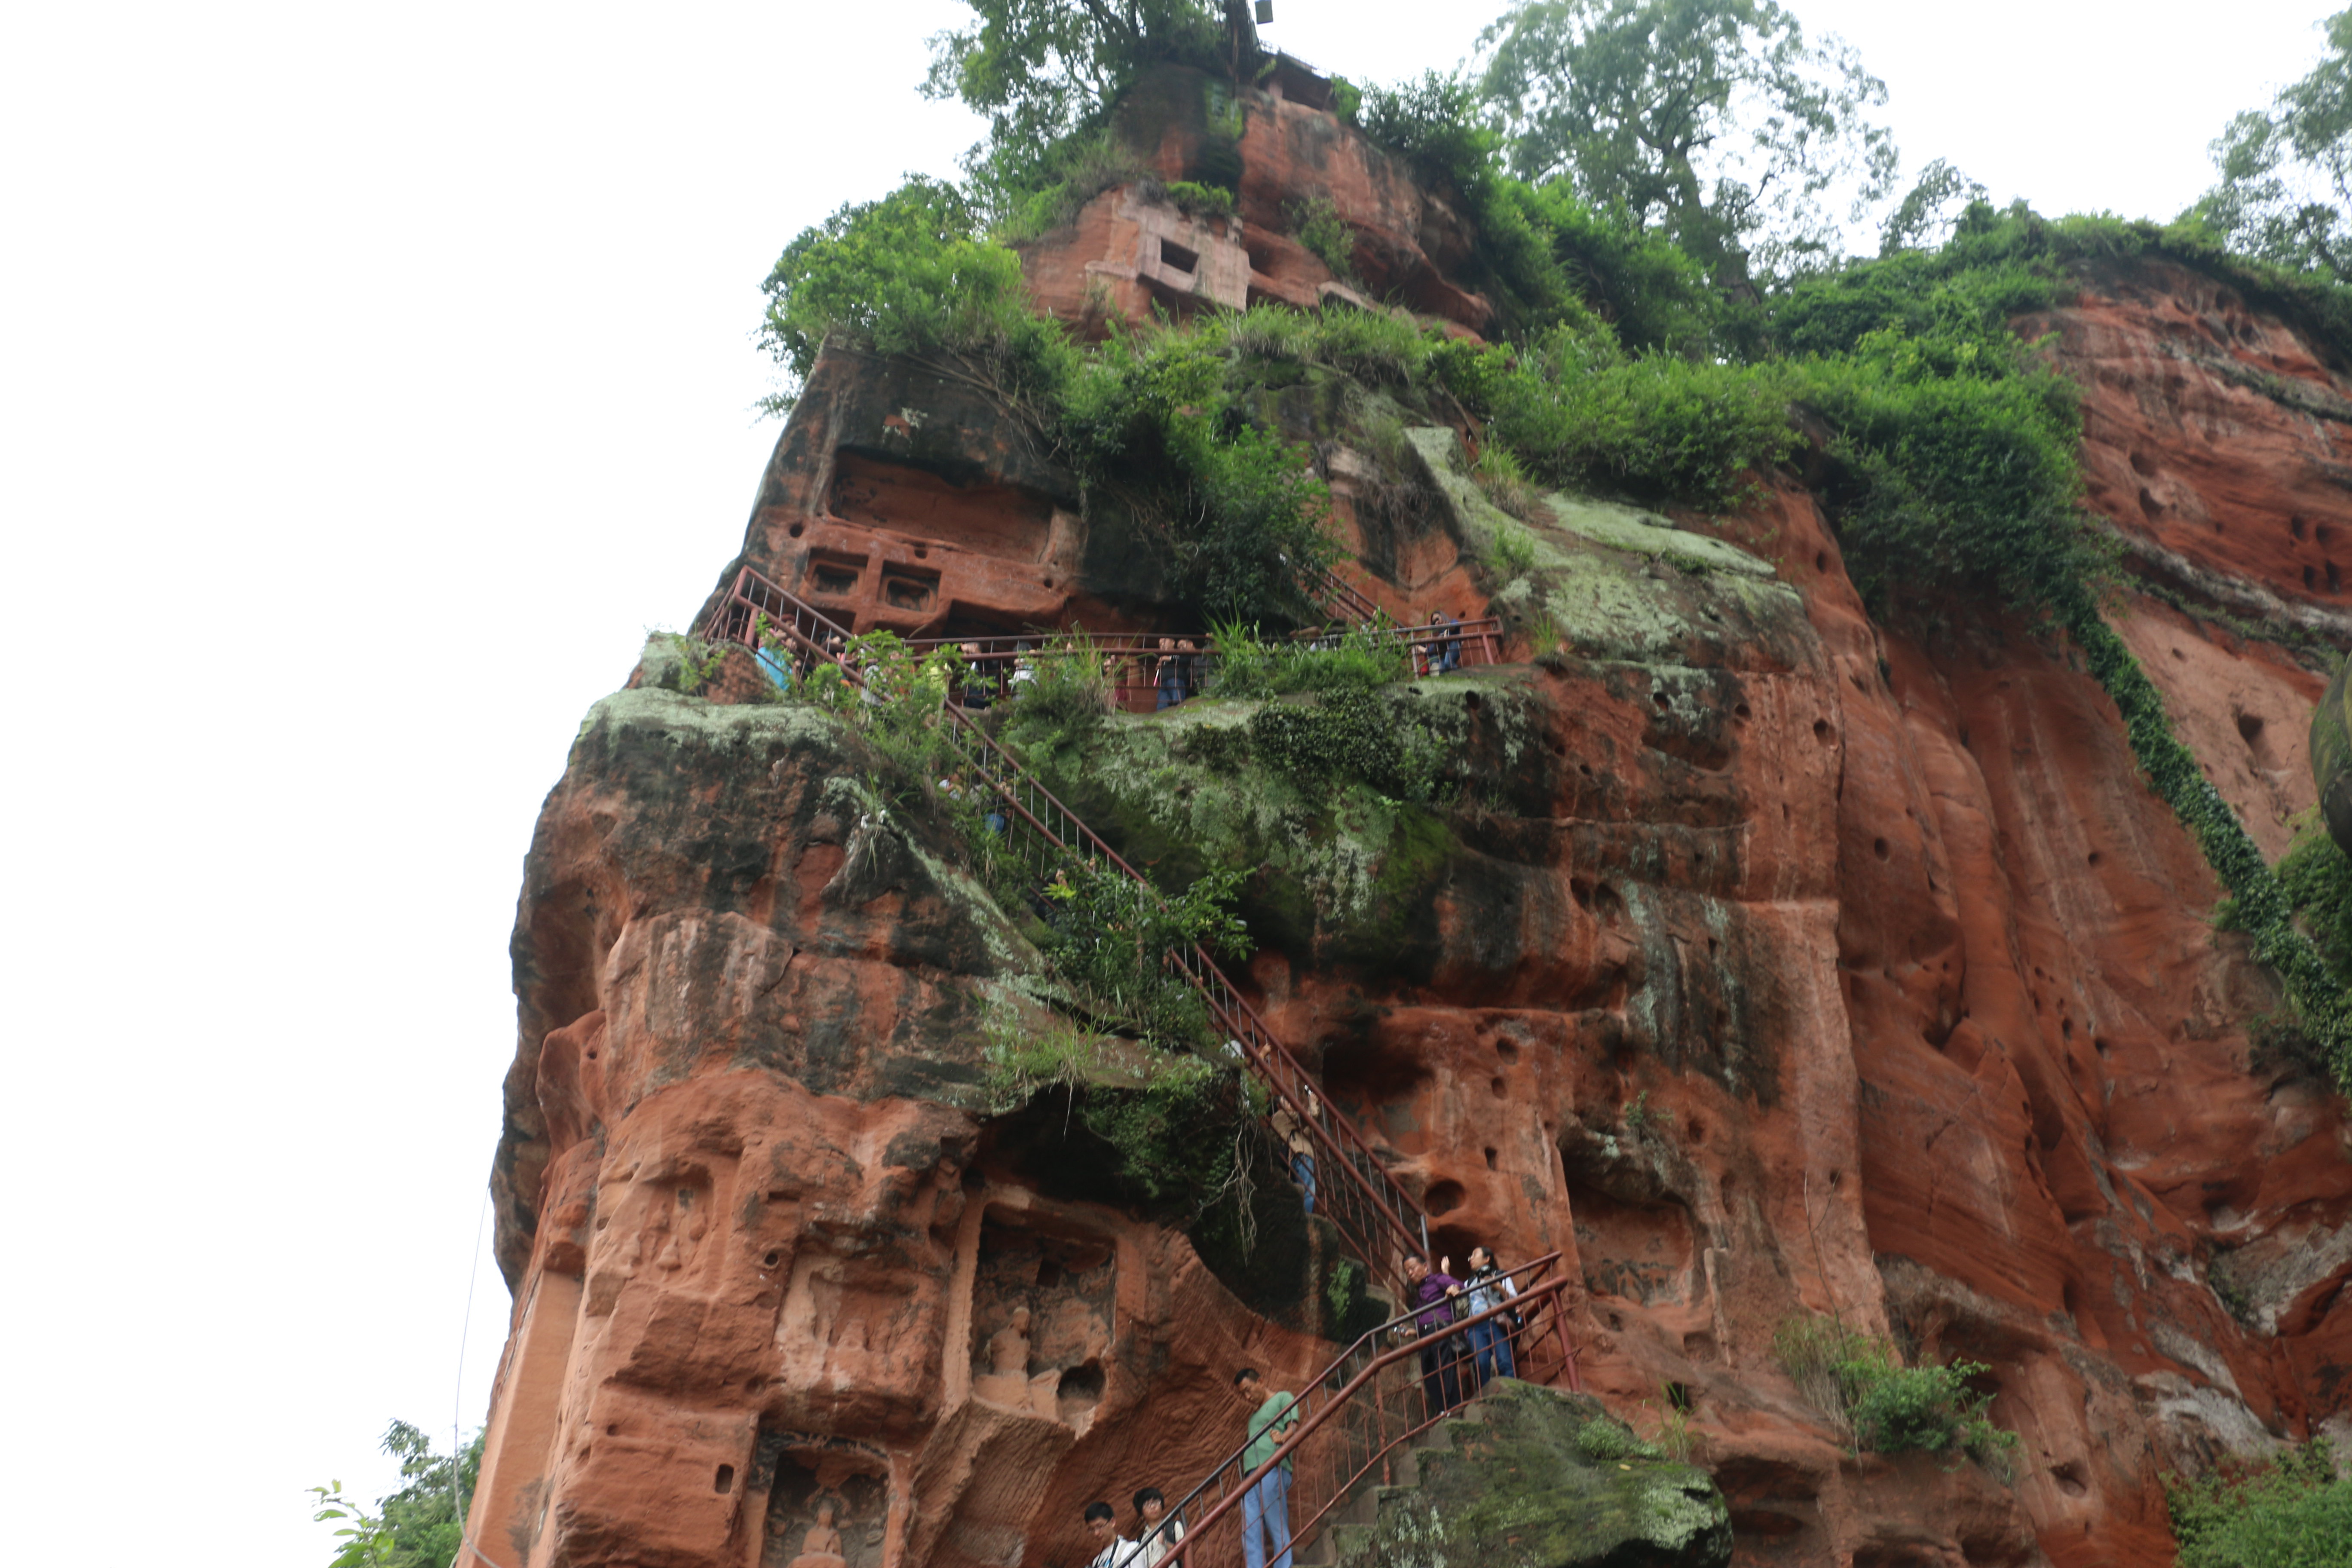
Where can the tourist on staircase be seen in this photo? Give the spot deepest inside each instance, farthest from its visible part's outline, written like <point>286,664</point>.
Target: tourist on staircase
<point>1430,1295</point>
<point>1117,1552</point>
<point>1485,1288</point>
<point>1292,1132</point>
<point>1266,1507</point>
<point>1154,1532</point>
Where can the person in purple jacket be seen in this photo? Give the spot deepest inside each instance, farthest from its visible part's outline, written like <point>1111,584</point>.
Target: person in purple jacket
<point>1428,1294</point>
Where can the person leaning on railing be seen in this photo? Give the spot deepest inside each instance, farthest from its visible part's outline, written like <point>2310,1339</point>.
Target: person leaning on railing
<point>1428,1294</point>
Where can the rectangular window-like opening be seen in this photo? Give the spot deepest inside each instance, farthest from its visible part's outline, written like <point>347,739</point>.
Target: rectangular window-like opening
<point>903,590</point>
<point>835,575</point>
<point>1174,255</point>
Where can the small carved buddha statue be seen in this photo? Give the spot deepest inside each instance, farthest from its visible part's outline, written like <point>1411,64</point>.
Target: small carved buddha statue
<point>821,1547</point>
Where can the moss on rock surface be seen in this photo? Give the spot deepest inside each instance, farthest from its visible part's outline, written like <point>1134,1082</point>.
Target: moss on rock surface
<point>1536,1479</point>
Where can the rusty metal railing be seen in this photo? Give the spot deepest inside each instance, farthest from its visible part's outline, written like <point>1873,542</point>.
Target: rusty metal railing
<point>1355,1416</point>
<point>1380,1221</point>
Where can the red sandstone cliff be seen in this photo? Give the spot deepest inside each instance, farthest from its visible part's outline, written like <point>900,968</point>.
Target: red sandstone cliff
<point>1801,963</point>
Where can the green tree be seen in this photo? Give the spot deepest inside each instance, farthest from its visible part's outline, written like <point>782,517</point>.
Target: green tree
<point>419,1526</point>
<point>1715,120</point>
<point>1042,68</point>
<point>907,274</point>
<point>2286,173</point>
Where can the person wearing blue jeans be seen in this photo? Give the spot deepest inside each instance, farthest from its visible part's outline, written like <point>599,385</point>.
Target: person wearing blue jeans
<point>1265,1505</point>
<point>1483,1287</point>
<point>1292,1131</point>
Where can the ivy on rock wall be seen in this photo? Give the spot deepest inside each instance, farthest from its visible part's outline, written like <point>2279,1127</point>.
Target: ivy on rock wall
<point>2260,903</point>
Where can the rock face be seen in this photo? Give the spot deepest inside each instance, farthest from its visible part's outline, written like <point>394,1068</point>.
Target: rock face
<point>1539,1480</point>
<point>1775,962</point>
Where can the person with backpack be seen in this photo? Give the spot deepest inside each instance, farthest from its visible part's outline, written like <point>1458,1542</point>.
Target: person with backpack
<point>1483,1287</point>
<point>1154,1530</point>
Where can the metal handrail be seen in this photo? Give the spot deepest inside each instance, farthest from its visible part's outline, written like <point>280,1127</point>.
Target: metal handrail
<point>1381,1208</point>
<point>1343,1385</point>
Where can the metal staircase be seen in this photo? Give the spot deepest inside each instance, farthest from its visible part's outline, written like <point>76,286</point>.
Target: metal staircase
<point>1377,1219</point>
<point>1363,1417</point>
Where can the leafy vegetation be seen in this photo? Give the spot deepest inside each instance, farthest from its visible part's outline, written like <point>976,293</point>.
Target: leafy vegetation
<point>2288,1512</point>
<point>419,1526</point>
<point>2259,904</point>
<point>1714,121</point>
<point>1647,150</point>
<point>2315,878</point>
<point>1041,70</point>
<point>1885,1407</point>
<point>2286,172</point>
<point>1107,936</point>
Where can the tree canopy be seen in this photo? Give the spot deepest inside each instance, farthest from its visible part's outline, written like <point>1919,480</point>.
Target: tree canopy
<point>420,1525</point>
<point>2286,172</point>
<point>1715,120</point>
<point>1040,68</point>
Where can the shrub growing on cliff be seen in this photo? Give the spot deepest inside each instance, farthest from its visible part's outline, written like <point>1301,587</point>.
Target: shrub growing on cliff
<point>908,274</point>
<point>1152,418</point>
<point>1107,938</point>
<point>1882,1406</point>
<point>2289,1512</point>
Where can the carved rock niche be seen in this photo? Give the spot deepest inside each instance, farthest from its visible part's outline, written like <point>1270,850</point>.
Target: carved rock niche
<point>1041,1318</point>
<point>828,1503</point>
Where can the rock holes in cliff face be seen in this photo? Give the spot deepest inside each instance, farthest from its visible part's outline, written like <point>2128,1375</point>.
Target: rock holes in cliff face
<point>1471,700</point>
<point>2334,579</point>
<point>1444,1198</point>
<point>2072,1477</point>
<point>2143,465</point>
<point>724,1481</point>
<point>2310,579</point>
<point>2148,506</point>
<point>771,1257</point>
<point>1741,711</point>
<point>797,530</point>
<point>2294,526</point>
<point>1078,1392</point>
<point>2092,859</point>
<point>1501,1089</point>
<point>1507,1051</point>
<point>1821,731</point>
<point>1820,560</point>
<point>1878,847</point>
<point>1490,1159</point>
<point>2180,656</point>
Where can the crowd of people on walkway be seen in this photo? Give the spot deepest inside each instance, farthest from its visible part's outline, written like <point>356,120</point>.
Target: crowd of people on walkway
<point>1175,671</point>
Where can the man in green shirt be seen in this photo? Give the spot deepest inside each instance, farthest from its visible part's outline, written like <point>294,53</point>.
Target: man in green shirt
<point>1266,1507</point>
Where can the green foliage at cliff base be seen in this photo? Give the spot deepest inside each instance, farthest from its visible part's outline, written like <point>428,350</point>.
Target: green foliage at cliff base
<point>2290,1512</point>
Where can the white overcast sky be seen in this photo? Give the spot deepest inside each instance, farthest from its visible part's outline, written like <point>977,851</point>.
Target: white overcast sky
<point>370,378</point>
